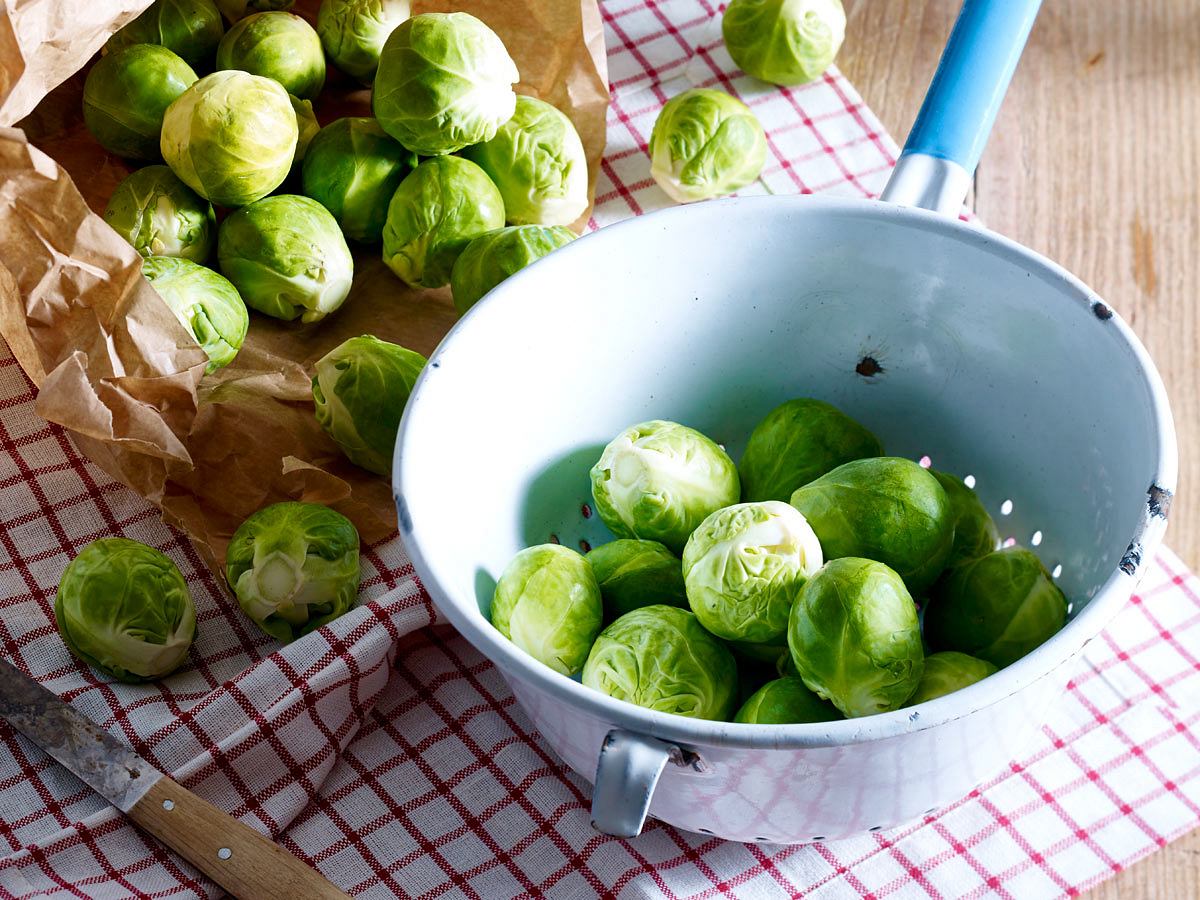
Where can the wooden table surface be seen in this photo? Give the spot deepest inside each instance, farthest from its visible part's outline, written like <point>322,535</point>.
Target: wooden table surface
<point>1094,162</point>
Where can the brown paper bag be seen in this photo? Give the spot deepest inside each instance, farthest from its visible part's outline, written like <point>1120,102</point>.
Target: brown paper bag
<point>110,360</point>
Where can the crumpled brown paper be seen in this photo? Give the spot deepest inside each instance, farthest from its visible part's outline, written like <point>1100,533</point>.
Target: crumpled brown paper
<point>111,362</point>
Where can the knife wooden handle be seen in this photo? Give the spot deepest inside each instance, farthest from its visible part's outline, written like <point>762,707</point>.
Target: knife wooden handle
<point>245,863</point>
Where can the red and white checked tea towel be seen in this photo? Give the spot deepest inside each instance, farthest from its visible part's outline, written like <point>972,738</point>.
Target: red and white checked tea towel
<point>388,753</point>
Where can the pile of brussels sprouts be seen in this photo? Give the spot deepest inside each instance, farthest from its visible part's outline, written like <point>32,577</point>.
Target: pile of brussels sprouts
<point>815,580</point>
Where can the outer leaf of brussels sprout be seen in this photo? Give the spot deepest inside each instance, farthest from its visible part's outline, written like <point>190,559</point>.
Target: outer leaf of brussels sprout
<point>287,258</point>
<point>124,608</point>
<point>126,95</point>
<point>190,28</point>
<point>353,170</point>
<point>161,216</point>
<point>353,32</point>
<point>797,442</point>
<point>704,144</point>
<point>975,533</point>
<point>495,255</point>
<point>276,45</point>
<point>633,574</point>
<point>855,638</point>
<point>294,567</point>
<point>660,657</point>
<point>659,480</point>
<point>537,161</point>
<point>948,672</point>
<point>231,137</point>
<point>785,42</point>
<point>233,10</point>
<point>887,509</point>
<point>360,390</point>
<point>998,607</point>
<point>307,127</point>
<point>743,566</point>
<point>547,602</point>
<point>785,701</point>
<point>439,208</point>
<point>444,82</point>
<point>206,304</point>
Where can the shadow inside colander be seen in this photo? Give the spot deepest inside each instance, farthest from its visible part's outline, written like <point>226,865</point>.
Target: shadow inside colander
<point>553,508</point>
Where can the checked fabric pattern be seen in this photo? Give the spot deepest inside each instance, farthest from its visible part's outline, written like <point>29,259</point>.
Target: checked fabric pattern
<point>387,752</point>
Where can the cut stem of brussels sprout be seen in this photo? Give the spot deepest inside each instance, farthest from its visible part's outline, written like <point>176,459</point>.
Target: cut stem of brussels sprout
<point>159,215</point>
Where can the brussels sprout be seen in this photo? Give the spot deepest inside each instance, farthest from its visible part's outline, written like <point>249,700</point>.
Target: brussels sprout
<point>307,127</point>
<point>353,31</point>
<point>190,28</point>
<point>705,144</point>
<point>855,639</point>
<point>547,602</point>
<point>768,653</point>
<point>161,216</point>
<point>444,82</point>
<point>287,257</point>
<point>660,657</point>
<point>633,574</point>
<point>492,257</point>
<point>207,305</point>
<point>359,391</point>
<point>659,480</point>
<point>231,137</point>
<point>536,159</point>
<point>277,45</point>
<point>998,607</point>
<point>784,42</point>
<point>948,672</point>
<point>743,566</point>
<point>236,9</point>
<point>353,169</point>
<point>975,533</point>
<point>294,567</point>
<point>439,208</point>
<point>887,509</point>
<point>126,95</point>
<point>785,701</point>
<point>123,608</point>
<point>799,441</point>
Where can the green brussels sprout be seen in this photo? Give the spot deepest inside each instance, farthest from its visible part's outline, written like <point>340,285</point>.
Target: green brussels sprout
<point>659,480</point>
<point>294,567</point>
<point>231,137</point>
<point>786,42</point>
<point>768,652</point>
<point>161,216</point>
<point>705,144</point>
<point>948,672</point>
<point>276,45</point>
<point>797,442</point>
<point>785,701</point>
<point>495,255</point>
<point>887,509</point>
<point>743,566</point>
<point>287,258</point>
<point>633,574</point>
<point>547,602</point>
<point>975,533</point>
<point>126,95</point>
<point>124,608</point>
<point>206,304</point>
<point>537,160</point>
<point>236,9</point>
<point>855,638</point>
<point>307,128</point>
<point>660,657</point>
<point>190,28</point>
<point>439,208</point>
<point>360,390</point>
<point>444,82</point>
<point>353,168</point>
<point>353,31</point>
<point>998,607</point>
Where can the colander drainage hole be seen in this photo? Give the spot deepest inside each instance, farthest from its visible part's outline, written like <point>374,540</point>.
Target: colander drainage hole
<point>1036,539</point>
<point>704,831</point>
<point>1006,507</point>
<point>554,539</point>
<point>763,840</point>
<point>819,837</point>
<point>1009,542</point>
<point>1056,571</point>
<point>875,828</point>
<point>930,811</point>
<point>969,481</point>
<point>925,462</point>
<point>585,546</point>
<point>585,511</point>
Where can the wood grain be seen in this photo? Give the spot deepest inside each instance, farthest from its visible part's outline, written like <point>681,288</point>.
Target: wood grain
<point>245,863</point>
<point>1095,162</point>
